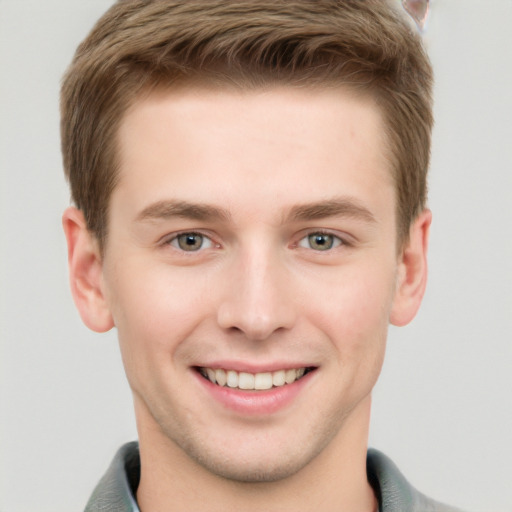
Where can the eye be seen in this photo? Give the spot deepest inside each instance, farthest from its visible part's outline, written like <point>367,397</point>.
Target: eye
<point>191,242</point>
<point>320,241</point>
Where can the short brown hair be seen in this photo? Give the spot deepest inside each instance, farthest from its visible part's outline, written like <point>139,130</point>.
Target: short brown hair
<point>365,45</point>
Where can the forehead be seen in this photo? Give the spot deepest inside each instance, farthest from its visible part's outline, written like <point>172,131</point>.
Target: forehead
<point>221,144</point>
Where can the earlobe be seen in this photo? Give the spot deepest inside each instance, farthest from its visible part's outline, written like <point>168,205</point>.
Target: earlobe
<point>412,272</point>
<point>85,272</point>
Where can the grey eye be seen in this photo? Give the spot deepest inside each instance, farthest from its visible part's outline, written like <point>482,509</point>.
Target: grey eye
<point>191,242</point>
<point>320,241</point>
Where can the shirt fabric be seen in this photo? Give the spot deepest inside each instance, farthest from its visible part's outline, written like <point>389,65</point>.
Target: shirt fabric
<point>116,490</point>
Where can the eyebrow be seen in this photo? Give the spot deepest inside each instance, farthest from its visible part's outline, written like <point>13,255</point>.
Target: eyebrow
<point>337,207</point>
<point>162,210</point>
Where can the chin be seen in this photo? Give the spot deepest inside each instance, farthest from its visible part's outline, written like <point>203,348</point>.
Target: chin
<point>259,460</point>
<point>239,469</point>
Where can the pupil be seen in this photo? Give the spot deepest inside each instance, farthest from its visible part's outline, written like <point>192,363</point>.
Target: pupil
<point>190,241</point>
<point>320,241</point>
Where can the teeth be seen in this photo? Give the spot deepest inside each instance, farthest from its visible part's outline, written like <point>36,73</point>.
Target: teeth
<point>250,381</point>
<point>232,379</point>
<point>290,376</point>
<point>246,380</point>
<point>263,381</point>
<point>220,377</point>
<point>278,378</point>
<point>210,374</point>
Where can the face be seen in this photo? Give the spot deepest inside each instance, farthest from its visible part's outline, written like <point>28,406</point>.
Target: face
<point>251,270</point>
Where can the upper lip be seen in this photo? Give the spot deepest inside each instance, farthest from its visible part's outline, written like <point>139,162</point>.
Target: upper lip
<point>244,366</point>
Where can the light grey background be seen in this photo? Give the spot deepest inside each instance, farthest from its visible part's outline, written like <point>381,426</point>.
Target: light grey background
<point>442,409</point>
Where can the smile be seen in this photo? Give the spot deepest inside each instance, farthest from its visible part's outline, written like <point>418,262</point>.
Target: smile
<point>253,381</point>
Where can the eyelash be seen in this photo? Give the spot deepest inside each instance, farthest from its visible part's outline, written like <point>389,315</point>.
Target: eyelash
<point>337,241</point>
<point>174,241</point>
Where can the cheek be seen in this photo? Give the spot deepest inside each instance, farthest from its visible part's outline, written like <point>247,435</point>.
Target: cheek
<point>154,309</point>
<point>354,314</point>
<point>153,316</point>
<point>357,302</point>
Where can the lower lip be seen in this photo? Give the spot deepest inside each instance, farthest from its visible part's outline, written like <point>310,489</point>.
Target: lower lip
<point>254,403</point>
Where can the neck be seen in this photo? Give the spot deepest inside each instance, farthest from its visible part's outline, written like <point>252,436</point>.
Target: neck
<point>334,480</point>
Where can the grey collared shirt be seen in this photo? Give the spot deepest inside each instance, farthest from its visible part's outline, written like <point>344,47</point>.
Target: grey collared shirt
<point>117,489</point>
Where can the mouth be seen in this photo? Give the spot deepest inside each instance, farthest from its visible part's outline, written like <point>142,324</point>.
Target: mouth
<point>253,381</point>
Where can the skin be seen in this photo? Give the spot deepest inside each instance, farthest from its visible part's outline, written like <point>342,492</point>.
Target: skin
<point>263,170</point>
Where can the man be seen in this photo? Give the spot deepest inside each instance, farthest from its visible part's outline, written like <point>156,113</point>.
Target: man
<point>250,190</point>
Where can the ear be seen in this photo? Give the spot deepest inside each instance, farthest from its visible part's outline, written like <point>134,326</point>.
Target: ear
<point>412,272</point>
<point>86,272</point>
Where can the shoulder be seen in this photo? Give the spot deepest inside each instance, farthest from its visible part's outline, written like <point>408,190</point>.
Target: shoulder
<point>394,492</point>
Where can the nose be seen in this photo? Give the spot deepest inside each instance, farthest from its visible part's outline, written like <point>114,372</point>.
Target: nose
<point>258,297</point>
